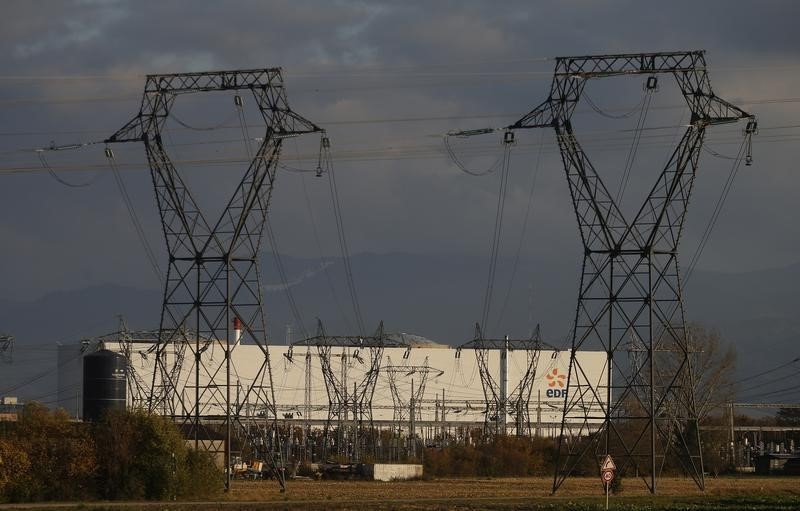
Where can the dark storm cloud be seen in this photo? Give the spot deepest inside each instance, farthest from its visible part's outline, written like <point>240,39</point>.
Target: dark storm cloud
<point>431,56</point>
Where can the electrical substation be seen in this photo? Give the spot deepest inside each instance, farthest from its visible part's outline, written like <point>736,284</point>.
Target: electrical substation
<point>624,385</point>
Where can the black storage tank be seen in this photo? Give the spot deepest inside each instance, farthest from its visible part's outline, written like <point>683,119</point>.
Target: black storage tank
<point>104,383</point>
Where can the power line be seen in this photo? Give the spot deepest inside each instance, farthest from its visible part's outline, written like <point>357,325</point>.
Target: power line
<point>637,136</point>
<point>298,318</point>
<point>498,228</point>
<point>412,152</point>
<point>716,212</point>
<point>137,225</point>
<point>315,232</point>
<point>768,371</point>
<point>526,218</point>
<point>326,160</point>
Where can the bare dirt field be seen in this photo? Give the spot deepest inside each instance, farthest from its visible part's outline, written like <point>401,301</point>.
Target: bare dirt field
<point>732,493</point>
<point>524,493</point>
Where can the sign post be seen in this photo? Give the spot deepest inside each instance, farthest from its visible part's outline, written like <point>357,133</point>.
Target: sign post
<point>607,472</point>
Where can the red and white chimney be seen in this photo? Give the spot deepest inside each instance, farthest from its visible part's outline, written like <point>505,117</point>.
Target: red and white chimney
<point>237,331</point>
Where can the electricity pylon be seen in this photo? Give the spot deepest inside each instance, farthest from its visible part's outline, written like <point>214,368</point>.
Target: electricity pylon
<point>643,411</point>
<point>341,400</point>
<point>417,393</point>
<point>630,284</point>
<point>502,403</point>
<point>213,285</point>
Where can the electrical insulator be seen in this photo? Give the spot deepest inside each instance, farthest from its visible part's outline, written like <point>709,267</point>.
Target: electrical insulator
<point>652,83</point>
<point>109,153</point>
<point>508,137</point>
<point>750,130</point>
<point>237,100</point>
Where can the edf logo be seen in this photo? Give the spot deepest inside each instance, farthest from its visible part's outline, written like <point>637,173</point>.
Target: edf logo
<point>557,384</point>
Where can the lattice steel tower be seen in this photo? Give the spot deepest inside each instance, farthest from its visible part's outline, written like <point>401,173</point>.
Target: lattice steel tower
<point>341,398</point>
<point>213,285</point>
<point>502,403</point>
<point>630,284</point>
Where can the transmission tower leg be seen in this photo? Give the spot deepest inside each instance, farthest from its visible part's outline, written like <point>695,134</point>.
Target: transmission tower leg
<point>630,285</point>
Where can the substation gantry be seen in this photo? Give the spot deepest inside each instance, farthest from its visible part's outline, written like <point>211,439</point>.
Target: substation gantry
<point>415,401</point>
<point>500,402</point>
<point>127,340</point>
<point>213,279</point>
<point>630,287</point>
<point>400,404</point>
<point>6,348</point>
<point>342,402</point>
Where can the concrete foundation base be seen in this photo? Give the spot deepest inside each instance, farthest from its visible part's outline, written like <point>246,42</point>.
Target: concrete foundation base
<point>391,471</point>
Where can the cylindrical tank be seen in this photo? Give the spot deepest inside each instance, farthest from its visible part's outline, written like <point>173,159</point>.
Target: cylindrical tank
<point>104,383</point>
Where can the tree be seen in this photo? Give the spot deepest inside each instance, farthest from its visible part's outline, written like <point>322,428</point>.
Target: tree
<point>788,417</point>
<point>60,455</point>
<point>144,456</point>
<point>14,461</point>
<point>713,370</point>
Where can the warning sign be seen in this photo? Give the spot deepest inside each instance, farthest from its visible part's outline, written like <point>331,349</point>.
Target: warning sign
<point>608,464</point>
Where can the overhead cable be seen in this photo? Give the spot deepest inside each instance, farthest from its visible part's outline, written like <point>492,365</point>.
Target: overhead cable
<point>149,253</point>
<point>498,228</point>
<point>326,163</point>
<point>524,229</point>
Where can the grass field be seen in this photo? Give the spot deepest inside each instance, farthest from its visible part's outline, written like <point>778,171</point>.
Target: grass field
<point>727,493</point>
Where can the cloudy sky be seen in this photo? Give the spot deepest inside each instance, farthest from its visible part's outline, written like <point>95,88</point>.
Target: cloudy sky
<point>386,79</point>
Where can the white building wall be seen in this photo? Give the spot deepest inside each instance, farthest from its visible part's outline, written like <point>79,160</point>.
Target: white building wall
<point>460,382</point>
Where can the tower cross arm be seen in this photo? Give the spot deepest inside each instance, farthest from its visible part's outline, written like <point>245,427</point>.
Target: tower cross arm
<point>295,124</point>
<point>540,117</point>
<point>266,84</point>
<point>596,66</point>
<point>708,108</point>
<point>132,131</point>
<point>352,341</point>
<point>510,344</point>
<point>241,79</point>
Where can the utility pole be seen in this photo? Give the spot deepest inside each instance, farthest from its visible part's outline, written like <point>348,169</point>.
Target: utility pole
<point>412,431</point>
<point>502,412</point>
<point>732,435</point>
<point>539,413</point>
<point>307,395</point>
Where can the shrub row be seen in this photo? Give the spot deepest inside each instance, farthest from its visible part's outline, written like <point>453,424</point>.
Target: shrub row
<point>128,455</point>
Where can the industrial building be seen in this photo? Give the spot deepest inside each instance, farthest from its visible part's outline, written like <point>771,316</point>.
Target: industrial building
<point>445,382</point>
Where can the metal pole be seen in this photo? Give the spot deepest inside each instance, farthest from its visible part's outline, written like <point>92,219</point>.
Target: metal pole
<point>411,429</point>
<point>197,357</point>
<point>732,437</point>
<point>651,354</point>
<point>227,373</point>
<point>502,410</point>
<point>539,413</point>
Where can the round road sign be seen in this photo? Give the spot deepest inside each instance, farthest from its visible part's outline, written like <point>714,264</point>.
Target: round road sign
<point>607,476</point>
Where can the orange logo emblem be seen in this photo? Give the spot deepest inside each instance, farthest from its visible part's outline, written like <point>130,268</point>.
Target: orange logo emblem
<point>554,379</point>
